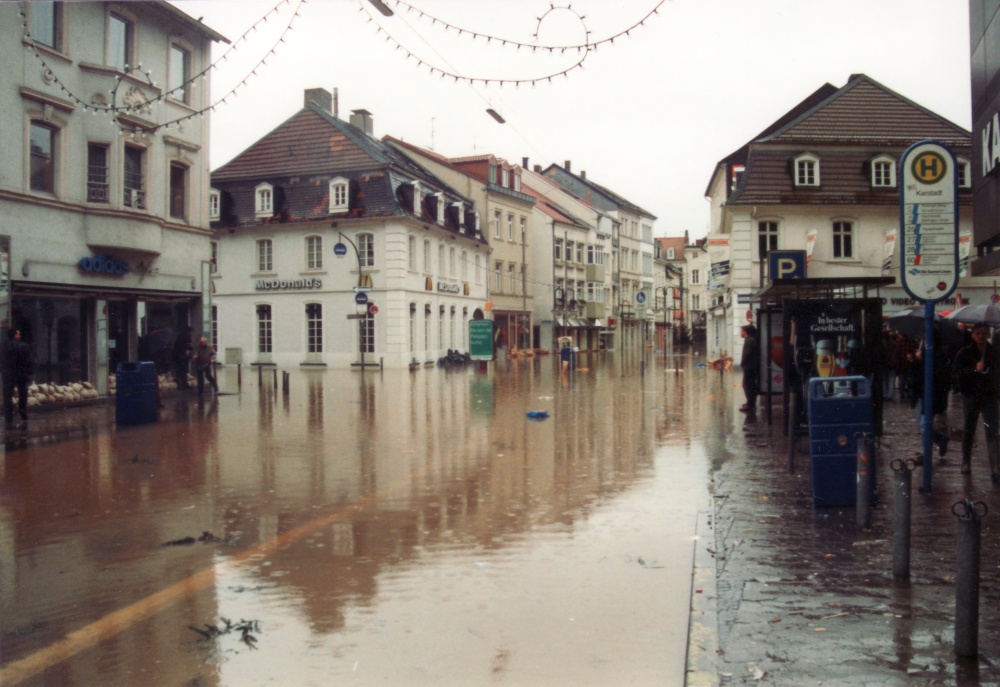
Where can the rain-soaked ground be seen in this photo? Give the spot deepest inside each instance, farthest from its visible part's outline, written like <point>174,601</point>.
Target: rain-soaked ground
<point>396,528</point>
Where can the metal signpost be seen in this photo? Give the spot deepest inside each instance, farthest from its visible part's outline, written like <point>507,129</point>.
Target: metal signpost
<point>928,218</point>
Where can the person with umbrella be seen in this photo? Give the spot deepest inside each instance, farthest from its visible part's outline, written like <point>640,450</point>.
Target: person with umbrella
<point>977,372</point>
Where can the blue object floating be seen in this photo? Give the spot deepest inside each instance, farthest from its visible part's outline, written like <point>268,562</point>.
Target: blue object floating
<point>538,414</point>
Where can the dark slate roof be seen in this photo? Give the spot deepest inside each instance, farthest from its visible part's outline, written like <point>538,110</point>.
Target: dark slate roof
<point>845,130</point>
<point>301,155</point>
<point>587,183</point>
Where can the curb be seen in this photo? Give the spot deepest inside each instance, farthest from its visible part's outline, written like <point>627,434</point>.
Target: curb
<point>703,626</point>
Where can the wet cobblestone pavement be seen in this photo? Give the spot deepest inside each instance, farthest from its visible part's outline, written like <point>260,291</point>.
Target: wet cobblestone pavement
<point>802,596</point>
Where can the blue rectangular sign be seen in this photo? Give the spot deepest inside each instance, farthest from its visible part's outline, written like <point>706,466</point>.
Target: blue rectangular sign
<point>786,264</point>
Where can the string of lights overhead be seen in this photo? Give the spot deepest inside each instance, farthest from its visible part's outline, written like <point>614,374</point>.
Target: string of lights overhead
<point>584,48</point>
<point>130,71</point>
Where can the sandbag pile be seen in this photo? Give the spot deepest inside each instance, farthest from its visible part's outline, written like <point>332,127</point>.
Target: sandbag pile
<point>39,394</point>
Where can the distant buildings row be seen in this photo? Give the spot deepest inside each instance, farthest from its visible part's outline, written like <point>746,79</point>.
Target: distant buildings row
<point>323,245</point>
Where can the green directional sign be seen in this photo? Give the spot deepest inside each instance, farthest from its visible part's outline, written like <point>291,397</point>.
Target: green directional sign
<point>481,339</point>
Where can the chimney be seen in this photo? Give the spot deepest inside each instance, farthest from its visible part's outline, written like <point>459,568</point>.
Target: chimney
<point>336,103</point>
<point>583,174</point>
<point>320,96</point>
<point>538,169</point>
<point>524,163</point>
<point>363,120</point>
<point>568,166</point>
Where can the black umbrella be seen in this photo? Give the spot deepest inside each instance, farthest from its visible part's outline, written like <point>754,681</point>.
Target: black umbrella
<point>913,324</point>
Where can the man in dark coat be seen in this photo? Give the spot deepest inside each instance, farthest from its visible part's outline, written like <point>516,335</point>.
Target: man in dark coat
<point>976,367</point>
<point>750,362</point>
<point>17,366</point>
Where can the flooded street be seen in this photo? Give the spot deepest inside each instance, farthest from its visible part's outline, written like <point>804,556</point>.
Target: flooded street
<point>399,528</point>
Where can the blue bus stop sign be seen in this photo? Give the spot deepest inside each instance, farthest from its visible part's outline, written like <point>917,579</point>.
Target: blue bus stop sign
<point>340,250</point>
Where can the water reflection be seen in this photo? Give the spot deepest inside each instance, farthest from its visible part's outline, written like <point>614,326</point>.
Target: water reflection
<point>356,509</point>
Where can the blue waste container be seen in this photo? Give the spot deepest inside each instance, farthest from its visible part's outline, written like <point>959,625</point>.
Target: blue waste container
<point>840,409</point>
<point>136,399</point>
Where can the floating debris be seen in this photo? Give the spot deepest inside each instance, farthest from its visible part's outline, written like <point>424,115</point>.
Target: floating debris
<point>538,414</point>
<point>245,628</point>
<point>206,537</point>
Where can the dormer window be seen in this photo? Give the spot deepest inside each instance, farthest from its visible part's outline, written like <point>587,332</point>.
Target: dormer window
<point>214,205</point>
<point>517,181</point>
<point>806,170</point>
<point>493,174</point>
<point>670,254</point>
<point>439,207</point>
<point>338,195</point>
<point>264,205</point>
<point>505,178</point>
<point>883,172</point>
<point>417,197</point>
<point>964,173</point>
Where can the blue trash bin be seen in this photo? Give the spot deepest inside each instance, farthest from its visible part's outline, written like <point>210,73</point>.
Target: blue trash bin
<point>840,409</point>
<point>136,399</point>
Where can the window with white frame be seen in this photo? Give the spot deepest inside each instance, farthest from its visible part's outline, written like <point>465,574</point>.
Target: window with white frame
<point>767,238</point>
<point>338,195</point>
<point>214,205</point>
<point>314,328</point>
<point>441,264</point>
<point>366,335</point>
<point>179,74</point>
<point>883,172</point>
<point>451,262</point>
<point>214,261</point>
<point>439,204</point>
<point>441,327</point>
<point>510,227</point>
<point>595,255</point>
<point>215,327</point>
<point>314,252</point>
<point>413,327</point>
<point>511,280</point>
<point>695,276</point>
<point>696,301</point>
<point>569,251</point>
<point>427,328</point>
<point>579,253</point>
<point>465,265</point>
<point>427,256</point>
<point>366,250</point>
<point>265,257</point>
<point>120,45</point>
<point>843,240</point>
<point>505,178</point>
<point>411,252</point>
<point>498,277</point>
<point>524,230</point>
<point>517,181</point>
<point>670,254</point>
<point>264,340</point>
<point>44,142</point>
<point>496,224</point>
<point>964,173</point>
<point>264,200</point>
<point>479,270</point>
<point>558,250</point>
<point>806,170</point>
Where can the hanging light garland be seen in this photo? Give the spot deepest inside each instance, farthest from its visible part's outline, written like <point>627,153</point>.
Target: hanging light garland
<point>584,47</point>
<point>129,70</point>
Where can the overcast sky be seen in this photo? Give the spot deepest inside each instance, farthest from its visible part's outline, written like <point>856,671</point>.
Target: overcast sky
<point>648,116</point>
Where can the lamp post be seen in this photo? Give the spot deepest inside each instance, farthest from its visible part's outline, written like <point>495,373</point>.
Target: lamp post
<point>340,250</point>
<point>558,307</point>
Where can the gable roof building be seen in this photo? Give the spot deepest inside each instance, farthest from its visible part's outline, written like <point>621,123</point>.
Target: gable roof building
<point>823,178</point>
<point>316,187</point>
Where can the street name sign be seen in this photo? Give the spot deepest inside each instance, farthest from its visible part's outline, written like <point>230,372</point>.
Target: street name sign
<point>928,217</point>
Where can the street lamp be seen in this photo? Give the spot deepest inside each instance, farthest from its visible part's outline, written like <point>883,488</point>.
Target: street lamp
<point>656,291</point>
<point>340,250</point>
<point>558,306</point>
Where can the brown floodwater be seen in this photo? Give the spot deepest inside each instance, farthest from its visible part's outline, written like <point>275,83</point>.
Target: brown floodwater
<point>396,528</point>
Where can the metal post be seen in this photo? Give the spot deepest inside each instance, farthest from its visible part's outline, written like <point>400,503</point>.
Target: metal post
<point>863,517</point>
<point>284,382</point>
<point>928,393</point>
<point>970,515</point>
<point>792,423</point>
<point>239,376</point>
<point>260,376</point>
<point>275,370</point>
<point>901,516</point>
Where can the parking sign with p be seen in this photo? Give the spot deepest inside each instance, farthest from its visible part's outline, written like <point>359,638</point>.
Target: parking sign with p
<point>786,264</point>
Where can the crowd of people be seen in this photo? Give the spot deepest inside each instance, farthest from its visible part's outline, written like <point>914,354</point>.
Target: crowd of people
<point>967,366</point>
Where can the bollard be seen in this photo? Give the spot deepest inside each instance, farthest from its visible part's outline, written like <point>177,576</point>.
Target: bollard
<point>901,516</point>
<point>970,515</point>
<point>260,376</point>
<point>239,376</point>
<point>275,371</point>
<point>863,516</point>
<point>284,382</point>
